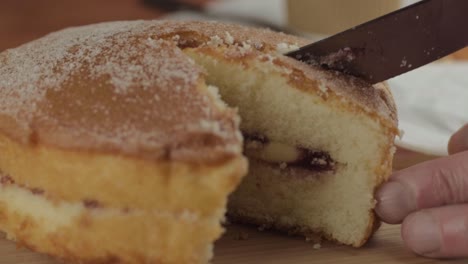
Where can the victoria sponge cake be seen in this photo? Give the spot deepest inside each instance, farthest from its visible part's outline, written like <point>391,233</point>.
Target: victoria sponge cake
<point>126,142</point>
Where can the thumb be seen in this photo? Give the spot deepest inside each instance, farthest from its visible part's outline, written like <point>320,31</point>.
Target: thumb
<point>427,185</point>
<point>459,141</point>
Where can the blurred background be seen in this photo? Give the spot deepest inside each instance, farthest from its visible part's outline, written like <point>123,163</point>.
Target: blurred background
<point>428,121</point>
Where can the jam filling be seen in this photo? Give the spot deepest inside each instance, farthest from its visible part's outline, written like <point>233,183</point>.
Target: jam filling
<point>314,160</point>
<point>91,204</point>
<point>6,180</point>
<point>262,148</point>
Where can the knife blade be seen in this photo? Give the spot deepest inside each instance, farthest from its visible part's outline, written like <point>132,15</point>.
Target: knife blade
<point>395,43</point>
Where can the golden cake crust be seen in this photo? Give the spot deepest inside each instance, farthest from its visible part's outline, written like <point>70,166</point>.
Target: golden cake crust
<point>241,43</point>
<point>113,88</point>
<point>45,96</point>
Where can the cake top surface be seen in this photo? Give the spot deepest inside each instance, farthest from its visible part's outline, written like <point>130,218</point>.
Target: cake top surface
<point>114,87</point>
<point>128,87</point>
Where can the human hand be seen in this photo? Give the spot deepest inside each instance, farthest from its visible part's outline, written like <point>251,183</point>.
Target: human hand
<point>431,202</point>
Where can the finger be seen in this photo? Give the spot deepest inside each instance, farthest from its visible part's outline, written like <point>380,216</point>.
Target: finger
<point>438,232</point>
<point>459,141</point>
<point>427,185</point>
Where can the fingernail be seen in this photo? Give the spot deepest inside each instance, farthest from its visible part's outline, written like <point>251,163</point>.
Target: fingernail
<point>395,202</point>
<point>422,234</point>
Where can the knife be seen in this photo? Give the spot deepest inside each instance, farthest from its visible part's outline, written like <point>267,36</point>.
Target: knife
<point>395,43</point>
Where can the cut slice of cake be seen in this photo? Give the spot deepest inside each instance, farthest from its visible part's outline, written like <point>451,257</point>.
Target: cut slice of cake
<point>114,150</point>
<point>319,143</point>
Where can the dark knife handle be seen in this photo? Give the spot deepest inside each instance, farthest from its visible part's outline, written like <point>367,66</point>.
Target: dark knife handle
<point>172,5</point>
<point>395,43</point>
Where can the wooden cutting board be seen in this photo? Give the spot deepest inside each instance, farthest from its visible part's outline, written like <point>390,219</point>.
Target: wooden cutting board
<point>257,247</point>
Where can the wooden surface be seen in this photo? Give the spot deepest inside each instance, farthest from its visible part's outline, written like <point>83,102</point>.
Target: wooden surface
<point>273,248</point>
<point>25,20</point>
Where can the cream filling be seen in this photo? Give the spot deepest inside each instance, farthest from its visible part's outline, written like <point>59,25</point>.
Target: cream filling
<point>53,215</point>
<point>273,152</point>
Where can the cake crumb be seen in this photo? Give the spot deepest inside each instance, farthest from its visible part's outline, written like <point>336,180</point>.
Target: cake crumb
<point>226,222</point>
<point>323,88</point>
<point>268,58</point>
<point>401,133</point>
<point>315,239</point>
<point>253,144</point>
<point>229,39</point>
<point>283,165</point>
<point>285,47</point>
<point>241,235</point>
<point>404,62</point>
<point>317,246</point>
<point>245,48</point>
<point>215,41</point>
<point>319,161</point>
<point>393,150</point>
<point>10,236</point>
<point>374,202</point>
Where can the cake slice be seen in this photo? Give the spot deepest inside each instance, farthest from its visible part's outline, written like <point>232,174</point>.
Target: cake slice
<point>114,150</point>
<point>319,143</point>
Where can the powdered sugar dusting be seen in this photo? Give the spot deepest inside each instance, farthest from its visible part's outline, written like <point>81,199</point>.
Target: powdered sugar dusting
<point>28,70</point>
<point>115,86</point>
<point>127,87</point>
<point>229,38</point>
<point>215,41</point>
<point>283,47</point>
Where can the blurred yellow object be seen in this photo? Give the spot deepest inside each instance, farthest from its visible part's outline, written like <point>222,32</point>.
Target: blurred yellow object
<point>328,17</point>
